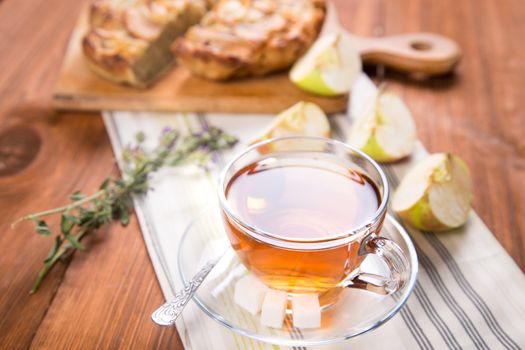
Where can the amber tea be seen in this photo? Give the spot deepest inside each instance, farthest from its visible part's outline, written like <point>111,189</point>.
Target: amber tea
<point>299,199</point>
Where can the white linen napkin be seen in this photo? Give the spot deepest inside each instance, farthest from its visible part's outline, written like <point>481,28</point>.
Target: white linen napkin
<point>470,294</point>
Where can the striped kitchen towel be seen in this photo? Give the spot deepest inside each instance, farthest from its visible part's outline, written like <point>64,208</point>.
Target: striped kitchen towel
<point>470,294</point>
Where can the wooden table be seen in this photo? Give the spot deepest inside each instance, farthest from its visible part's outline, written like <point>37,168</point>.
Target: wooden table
<point>103,298</point>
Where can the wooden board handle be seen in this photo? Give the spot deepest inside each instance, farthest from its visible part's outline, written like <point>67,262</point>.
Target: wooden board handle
<point>426,53</point>
<point>430,54</point>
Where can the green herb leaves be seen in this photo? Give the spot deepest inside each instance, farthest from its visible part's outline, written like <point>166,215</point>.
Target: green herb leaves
<point>67,223</point>
<point>54,249</point>
<point>113,201</point>
<point>41,228</point>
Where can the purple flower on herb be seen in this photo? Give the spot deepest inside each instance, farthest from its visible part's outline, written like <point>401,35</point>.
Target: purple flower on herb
<point>204,148</point>
<point>215,157</point>
<point>205,125</point>
<point>166,130</point>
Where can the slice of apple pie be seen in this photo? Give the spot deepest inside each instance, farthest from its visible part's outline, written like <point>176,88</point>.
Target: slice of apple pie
<point>129,40</point>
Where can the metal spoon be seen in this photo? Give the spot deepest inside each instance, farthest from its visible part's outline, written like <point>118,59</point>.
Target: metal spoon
<point>167,314</point>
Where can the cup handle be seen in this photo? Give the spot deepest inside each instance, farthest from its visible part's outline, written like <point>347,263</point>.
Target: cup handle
<point>395,260</point>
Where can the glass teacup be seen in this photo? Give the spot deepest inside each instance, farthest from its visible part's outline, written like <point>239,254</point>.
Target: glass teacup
<point>302,213</point>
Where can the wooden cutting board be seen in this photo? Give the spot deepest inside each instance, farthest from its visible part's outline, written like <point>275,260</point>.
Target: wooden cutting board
<point>179,90</point>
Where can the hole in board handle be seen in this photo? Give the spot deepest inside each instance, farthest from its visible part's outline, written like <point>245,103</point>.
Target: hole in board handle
<point>421,45</point>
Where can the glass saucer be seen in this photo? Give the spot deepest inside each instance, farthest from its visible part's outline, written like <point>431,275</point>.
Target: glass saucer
<point>356,312</point>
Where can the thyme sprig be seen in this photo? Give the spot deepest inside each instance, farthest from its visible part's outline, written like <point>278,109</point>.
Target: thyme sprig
<point>113,200</point>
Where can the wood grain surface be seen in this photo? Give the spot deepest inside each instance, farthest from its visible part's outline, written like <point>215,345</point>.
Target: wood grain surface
<point>102,298</point>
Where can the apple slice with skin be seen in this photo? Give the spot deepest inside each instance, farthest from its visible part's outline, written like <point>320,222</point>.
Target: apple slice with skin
<point>385,130</point>
<point>329,68</point>
<point>302,119</point>
<point>436,194</point>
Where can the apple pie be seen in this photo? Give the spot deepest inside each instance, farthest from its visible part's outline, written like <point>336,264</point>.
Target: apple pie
<point>129,41</point>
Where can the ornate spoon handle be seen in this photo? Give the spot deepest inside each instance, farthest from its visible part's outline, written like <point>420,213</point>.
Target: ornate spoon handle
<point>167,314</point>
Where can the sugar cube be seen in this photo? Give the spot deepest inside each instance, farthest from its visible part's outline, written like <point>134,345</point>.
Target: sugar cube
<point>274,308</point>
<point>306,311</point>
<point>249,293</point>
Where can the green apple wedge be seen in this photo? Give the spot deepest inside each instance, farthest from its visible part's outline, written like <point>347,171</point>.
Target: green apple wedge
<point>301,119</point>
<point>385,129</point>
<point>436,194</point>
<point>329,68</point>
